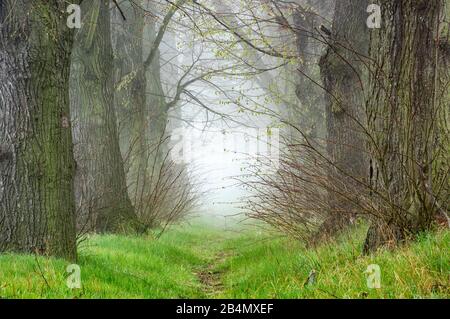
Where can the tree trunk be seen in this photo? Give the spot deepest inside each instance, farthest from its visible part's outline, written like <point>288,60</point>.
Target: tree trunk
<point>141,105</point>
<point>131,96</point>
<point>342,72</point>
<point>101,183</point>
<point>37,212</point>
<point>402,109</point>
<point>307,116</point>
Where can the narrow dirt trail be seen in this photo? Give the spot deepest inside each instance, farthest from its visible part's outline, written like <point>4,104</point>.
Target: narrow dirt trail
<point>210,276</point>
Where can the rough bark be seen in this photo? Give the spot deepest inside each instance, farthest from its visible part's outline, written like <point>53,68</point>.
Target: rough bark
<point>402,110</point>
<point>37,212</point>
<point>101,184</point>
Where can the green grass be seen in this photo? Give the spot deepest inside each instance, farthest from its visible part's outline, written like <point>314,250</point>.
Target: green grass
<point>114,267</point>
<point>247,264</point>
<point>280,268</point>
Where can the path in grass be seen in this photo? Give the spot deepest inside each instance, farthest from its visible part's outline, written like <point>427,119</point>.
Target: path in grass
<point>210,275</point>
<point>202,261</point>
<point>216,252</point>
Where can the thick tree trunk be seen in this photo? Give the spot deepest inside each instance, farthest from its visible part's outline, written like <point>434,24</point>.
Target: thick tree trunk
<point>402,110</point>
<point>157,115</point>
<point>101,183</point>
<point>131,96</point>
<point>141,106</point>
<point>307,116</point>
<point>342,72</point>
<point>37,212</point>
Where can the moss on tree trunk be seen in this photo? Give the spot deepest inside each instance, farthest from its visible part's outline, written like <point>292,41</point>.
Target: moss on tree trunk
<point>37,212</point>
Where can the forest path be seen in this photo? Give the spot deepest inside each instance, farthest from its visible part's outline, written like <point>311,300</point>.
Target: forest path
<point>211,274</point>
<point>200,261</point>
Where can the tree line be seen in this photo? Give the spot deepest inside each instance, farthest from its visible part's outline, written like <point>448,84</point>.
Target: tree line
<point>383,153</point>
<point>85,115</point>
<point>83,118</point>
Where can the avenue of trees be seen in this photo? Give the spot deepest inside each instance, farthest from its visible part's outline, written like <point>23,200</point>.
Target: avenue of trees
<point>86,114</point>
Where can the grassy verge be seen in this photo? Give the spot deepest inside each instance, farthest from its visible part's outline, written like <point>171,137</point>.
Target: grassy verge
<point>115,267</point>
<point>267,268</point>
<point>245,264</point>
